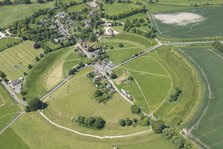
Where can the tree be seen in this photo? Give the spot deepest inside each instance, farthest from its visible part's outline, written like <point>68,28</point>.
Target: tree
<point>121,45</point>
<point>130,78</point>
<point>128,122</point>
<point>135,109</point>
<point>158,126</point>
<point>99,123</point>
<point>37,58</point>
<point>37,45</point>
<point>34,105</point>
<point>113,76</point>
<point>122,122</point>
<point>98,93</point>
<point>30,66</point>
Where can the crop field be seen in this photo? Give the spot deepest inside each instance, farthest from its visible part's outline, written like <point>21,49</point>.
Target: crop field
<point>14,60</point>
<point>206,25</point>
<point>119,8</point>
<point>8,108</point>
<point>131,46</point>
<point>6,42</point>
<point>11,14</point>
<point>209,129</point>
<point>189,2</point>
<point>43,78</point>
<point>85,104</point>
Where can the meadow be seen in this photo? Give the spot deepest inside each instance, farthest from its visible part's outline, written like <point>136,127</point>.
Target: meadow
<point>151,82</point>
<point>209,27</point>
<point>51,137</point>
<point>14,60</point>
<point>133,44</point>
<point>78,103</point>
<point>8,42</point>
<point>11,14</point>
<point>209,127</point>
<point>42,78</point>
<point>8,108</point>
<point>77,8</point>
<point>189,2</point>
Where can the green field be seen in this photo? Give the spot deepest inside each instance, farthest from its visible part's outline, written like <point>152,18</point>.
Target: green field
<point>209,27</point>
<point>136,16</point>
<point>69,1</point>
<point>50,71</point>
<point>14,60</point>
<point>209,127</point>
<point>119,8</point>
<point>11,14</point>
<point>78,103</point>
<point>189,2</point>
<point>132,44</point>
<point>53,137</point>
<point>77,8</point>
<point>8,42</point>
<point>8,108</point>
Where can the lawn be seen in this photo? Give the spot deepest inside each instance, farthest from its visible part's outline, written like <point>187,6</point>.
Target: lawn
<point>209,27</point>
<point>8,108</point>
<point>14,60</point>
<point>8,42</point>
<point>209,127</point>
<point>69,1</point>
<point>133,44</point>
<point>11,14</point>
<point>49,71</point>
<point>78,103</point>
<point>119,8</point>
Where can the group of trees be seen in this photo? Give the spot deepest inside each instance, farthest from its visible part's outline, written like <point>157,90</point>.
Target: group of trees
<point>176,95</point>
<point>3,76</point>
<point>136,109</point>
<point>218,45</point>
<point>134,27</point>
<point>13,2</point>
<point>35,104</point>
<point>102,95</point>
<point>76,69</point>
<point>91,122</point>
<point>126,14</point>
<point>143,121</point>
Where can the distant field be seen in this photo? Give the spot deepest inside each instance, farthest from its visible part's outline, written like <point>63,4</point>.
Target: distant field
<point>78,103</point>
<point>69,1</point>
<point>209,27</point>
<point>136,16</point>
<point>8,108</point>
<point>14,60</point>
<point>119,8</point>
<point>132,45</point>
<point>189,2</point>
<point>209,130</point>
<point>11,14</point>
<point>77,8</point>
<point>49,71</point>
<point>7,42</point>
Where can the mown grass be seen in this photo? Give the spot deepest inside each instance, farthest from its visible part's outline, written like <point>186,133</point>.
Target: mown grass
<point>77,8</point>
<point>14,60</point>
<point>80,101</point>
<point>210,127</point>
<point>11,14</point>
<point>8,42</point>
<point>8,108</point>
<point>136,16</point>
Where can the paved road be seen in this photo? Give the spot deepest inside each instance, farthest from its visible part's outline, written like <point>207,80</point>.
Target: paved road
<point>12,93</point>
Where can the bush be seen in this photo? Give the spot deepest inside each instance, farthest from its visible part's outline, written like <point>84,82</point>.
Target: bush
<point>135,109</point>
<point>122,122</point>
